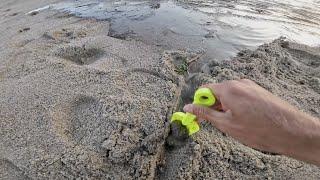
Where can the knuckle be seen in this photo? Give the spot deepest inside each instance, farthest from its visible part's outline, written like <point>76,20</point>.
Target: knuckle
<point>248,81</point>
<point>236,88</point>
<point>199,111</point>
<point>245,80</point>
<point>233,82</point>
<point>234,85</point>
<point>202,113</point>
<point>211,86</point>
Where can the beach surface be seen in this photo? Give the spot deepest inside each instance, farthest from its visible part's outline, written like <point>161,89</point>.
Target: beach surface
<point>78,103</point>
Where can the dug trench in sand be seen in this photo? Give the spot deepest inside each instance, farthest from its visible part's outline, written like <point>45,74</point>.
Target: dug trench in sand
<point>76,103</point>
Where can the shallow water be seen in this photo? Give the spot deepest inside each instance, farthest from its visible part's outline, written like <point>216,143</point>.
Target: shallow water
<point>219,28</point>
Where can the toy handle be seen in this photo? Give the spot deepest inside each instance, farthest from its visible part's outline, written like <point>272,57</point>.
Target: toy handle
<point>204,97</point>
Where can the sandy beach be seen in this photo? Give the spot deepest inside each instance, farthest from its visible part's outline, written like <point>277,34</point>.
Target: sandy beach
<point>76,103</point>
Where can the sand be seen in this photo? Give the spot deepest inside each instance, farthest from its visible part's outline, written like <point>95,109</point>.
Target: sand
<point>76,103</point>
<point>290,71</point>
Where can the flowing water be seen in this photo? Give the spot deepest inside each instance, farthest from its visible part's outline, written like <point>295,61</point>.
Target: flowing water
<point>218,28</point>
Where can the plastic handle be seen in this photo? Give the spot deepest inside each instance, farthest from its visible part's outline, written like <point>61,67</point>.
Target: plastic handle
<point>205,97</point>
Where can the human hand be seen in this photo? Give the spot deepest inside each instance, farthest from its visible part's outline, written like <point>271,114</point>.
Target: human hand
<point>261,120</point>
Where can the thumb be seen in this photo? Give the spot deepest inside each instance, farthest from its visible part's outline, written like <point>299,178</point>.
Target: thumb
<point>206,113</point>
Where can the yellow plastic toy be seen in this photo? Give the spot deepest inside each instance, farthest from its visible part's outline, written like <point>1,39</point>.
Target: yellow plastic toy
<point>202,96</point>
<point>188,120</point>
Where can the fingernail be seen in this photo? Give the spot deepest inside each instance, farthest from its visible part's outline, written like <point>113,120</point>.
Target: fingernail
<point>187,108</point>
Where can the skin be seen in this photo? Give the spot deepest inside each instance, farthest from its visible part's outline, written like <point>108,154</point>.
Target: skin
<point>261,120</point>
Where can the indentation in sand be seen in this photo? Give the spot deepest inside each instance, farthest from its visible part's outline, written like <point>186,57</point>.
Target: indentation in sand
<point>87,121</point>
<point>10,171</point>
<point>84,123</point>
<point>80,55</point>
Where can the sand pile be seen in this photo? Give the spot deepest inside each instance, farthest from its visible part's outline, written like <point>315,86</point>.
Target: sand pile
<point>289,70</point>
<point>75,103</point>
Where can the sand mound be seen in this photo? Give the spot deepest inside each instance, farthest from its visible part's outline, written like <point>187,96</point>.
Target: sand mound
<point>290,71</point>
<point>76,103</point>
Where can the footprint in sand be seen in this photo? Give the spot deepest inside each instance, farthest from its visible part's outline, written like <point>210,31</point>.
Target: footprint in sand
<point>10,171</point>
<point>83,122</point>
<point>64,35</point>
<point>80,55</point>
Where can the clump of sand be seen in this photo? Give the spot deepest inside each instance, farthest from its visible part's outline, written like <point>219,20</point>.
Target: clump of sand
<point>76,103</point>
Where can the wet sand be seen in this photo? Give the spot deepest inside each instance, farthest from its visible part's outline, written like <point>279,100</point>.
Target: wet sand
<point>77,103</point>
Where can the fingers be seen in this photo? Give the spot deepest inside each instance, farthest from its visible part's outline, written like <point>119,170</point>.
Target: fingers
<point>206,113</point>
<point>216,89</point>
<point>223,89</point>
<point>217,106</point>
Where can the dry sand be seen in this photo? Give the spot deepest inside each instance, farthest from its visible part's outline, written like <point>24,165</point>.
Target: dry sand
<point>75,103</point>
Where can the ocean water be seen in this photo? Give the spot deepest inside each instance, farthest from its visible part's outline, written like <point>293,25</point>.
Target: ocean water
<point>218,28</point>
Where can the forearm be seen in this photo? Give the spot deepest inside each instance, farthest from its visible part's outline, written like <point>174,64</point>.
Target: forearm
<point>306,145</point>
